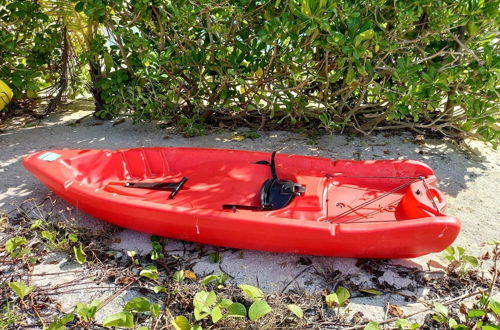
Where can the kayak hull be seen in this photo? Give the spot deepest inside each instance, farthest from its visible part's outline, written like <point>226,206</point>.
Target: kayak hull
<point>92,180</point>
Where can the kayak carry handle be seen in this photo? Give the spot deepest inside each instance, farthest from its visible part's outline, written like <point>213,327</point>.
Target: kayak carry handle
<point>179,186</point>
<point>170,186</point>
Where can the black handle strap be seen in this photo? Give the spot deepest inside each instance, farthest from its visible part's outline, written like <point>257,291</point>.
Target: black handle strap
<point>273,166</point>
<point>235,207</point>
<point>169,186</point>
<point>179,186</point>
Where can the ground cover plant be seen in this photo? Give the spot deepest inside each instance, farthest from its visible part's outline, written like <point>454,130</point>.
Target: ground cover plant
<point>356,66</point>
<point>167,293</point>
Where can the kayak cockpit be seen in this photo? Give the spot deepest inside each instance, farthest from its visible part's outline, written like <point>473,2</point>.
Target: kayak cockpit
<point>212,183</point>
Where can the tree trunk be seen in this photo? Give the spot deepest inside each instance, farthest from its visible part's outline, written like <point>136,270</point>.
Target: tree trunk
<point>62,84</point>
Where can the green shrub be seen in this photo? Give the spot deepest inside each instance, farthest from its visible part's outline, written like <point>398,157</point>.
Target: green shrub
<point>344,65</point>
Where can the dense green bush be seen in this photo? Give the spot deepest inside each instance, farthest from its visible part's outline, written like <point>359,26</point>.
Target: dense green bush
<point>357,65</point>
<point>29,47</point>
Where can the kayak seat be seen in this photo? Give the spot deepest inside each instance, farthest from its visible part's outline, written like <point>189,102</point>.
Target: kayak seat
<point>274,193</point>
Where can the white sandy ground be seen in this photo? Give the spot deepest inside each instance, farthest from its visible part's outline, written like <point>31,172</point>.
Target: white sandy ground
<point>470,181</point>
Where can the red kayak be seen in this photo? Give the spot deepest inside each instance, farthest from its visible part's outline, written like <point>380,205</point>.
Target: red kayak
<point>257,200</point>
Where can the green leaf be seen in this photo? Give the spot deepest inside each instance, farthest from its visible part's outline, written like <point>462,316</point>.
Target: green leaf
<point>216,314</point>
<point>214,257</point>
<point>181,323</point>
<point>450,250</point>
<point>73,238</point>
<point>350,75</point>
<point>56,325</point>
<point>21,289</point>
<point>402,324</point>
<point>224,302</point>
<point>159,289</point>
<point>178,276</point>
<point>475,313</point>
<point>342,294</point>
<point>253,292</point>
<point>87,312</point>
<point>372,326</point>
<point>332,300</point>
<point>120,319</point>
<point>366,35</point>
<point>79,7</point>
<point>49,235</point>
<point>472,28</point>
<point>237,310</point>
<point>208,279</point>
<point>38,223</point>
<point>108,61</point>
<point>155,310</point>
<point>258,309</point>
<point>59,324</point>
<point>306,10</point>
<point>471,260</point>
<point>150,272</point>
<point>80,255</point>
<point>495,306</point>
<point>490,327</point>
<point>13,243</point>
<point>371,291</point>
<point>138,304</point>
<point>67,318</point>
<point>202,302</point>
<point>296,310</point>
<point>438,307</point>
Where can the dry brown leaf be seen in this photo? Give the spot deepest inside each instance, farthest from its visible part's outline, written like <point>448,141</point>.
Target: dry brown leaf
<point>118,122</point>
<point>191,275</point>
<point>395,310</point>
<point>435,264</point>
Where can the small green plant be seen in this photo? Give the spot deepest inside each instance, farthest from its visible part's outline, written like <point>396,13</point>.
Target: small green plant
<point>338,298</point>
<point>191,126</point>
<point>132,255</point>
<point>203,302</point>
<point>179,276</point>
<point>142,305</point>
<point>9,316</point>
<point>15,247</point>
<point>327,123</point>
<point>220,279</point>
<point>459,261</point>
<point>86,312</point>
<point>206,304</point>
<point>21,289</point>
<point>60,323</point>
<point>214,257</point>
<point>259,307</point>
<point>150,272</point>
<point>54,237</point>
<point>156,248</point>
<point>442,316</point>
